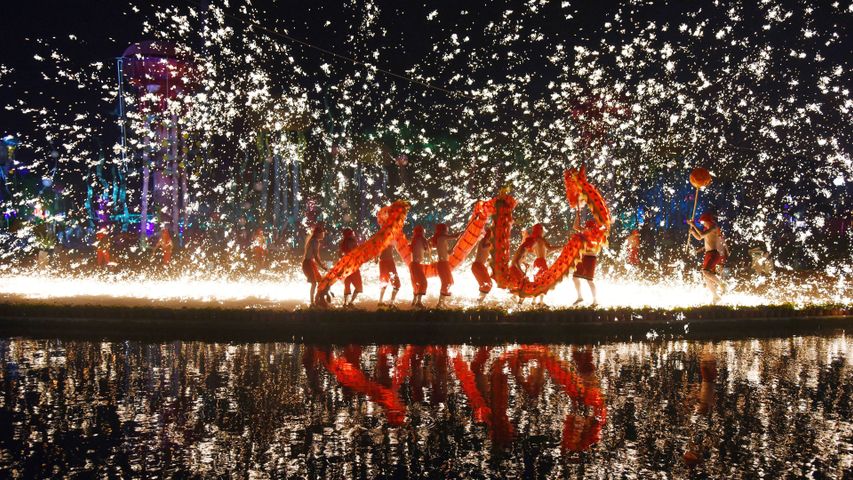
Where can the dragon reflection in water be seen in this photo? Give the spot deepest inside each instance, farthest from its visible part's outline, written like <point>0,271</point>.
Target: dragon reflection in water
<point>719,409</point>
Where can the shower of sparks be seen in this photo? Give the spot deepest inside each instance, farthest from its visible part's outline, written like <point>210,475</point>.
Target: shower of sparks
<point>290,294</point>
<point>275,134</point>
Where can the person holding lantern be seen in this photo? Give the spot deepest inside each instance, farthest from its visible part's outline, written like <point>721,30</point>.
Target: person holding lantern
<point>715,251</point>
<point>311,262</point>
<point>715,247</point>
<point>441,242</point>
<point>352,284</point>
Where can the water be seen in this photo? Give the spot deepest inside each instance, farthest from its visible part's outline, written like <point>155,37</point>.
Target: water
<point>773,408</point>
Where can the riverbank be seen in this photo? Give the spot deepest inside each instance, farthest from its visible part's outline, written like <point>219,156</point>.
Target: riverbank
<point>112,320</point>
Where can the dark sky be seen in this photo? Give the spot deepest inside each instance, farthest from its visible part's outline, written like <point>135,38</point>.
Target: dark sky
<point>106,28</point>
<point>102,27</point>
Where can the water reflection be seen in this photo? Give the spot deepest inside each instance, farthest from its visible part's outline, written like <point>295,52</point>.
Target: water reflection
<point>739,409</point>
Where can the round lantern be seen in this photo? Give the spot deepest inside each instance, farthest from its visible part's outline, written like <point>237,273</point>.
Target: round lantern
<point>700,177</point>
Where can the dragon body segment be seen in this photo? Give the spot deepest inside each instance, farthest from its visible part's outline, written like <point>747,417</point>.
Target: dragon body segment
<point>391,219</point>
<point>466,242</point>
<point>579,192</point>
<point>591,238</point>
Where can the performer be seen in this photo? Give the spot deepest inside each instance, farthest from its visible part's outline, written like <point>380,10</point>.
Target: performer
<point>352,284</point>
<point>419,246</point>
<point>535,243</point>
<point>311,262</point>
<point>706,401</point>
<point>102,242</point>
<point>164,245</point>
<point>479,269</point>
<point>586,268</point>
<point>715,252</point>
<point>259,247</point>
<point>761,262</point>
<point>723,248</point>
<point>440,241</point>
<point>518,262</point>
<point>634,248</point>
<point>388,276</point>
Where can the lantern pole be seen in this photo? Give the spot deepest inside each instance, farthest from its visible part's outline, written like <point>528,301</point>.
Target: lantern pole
<point>693,215</point>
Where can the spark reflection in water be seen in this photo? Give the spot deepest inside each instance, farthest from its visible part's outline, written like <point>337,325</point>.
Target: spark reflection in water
<point>733,409</point>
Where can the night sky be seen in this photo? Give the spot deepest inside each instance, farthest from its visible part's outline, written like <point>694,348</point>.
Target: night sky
<point>104,29</point>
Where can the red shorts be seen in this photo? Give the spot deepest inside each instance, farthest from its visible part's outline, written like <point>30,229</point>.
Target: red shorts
<point>419,281</point>
<point>309,268</point>
<point>388,274</point>
<point>540,265</point>
<point>446,277</point>
<point>481,273</point>
<point>354,281</point>
<point>711,260</point>
<point>586,269</point>
<point>103,257</point>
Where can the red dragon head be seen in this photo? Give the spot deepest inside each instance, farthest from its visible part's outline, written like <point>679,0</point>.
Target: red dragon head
<point>574,180</point>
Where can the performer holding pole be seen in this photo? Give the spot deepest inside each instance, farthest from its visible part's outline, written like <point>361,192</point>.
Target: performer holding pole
<point>701,178</point>
<point>441,242</point>
<point>352,284</point>
<point>479,268</point>
<point>536,244</point>
<point>420,247</point>
<point>311,262</point>
<point>388,276</point>
<point>585,270</point>
<point>715,251</point>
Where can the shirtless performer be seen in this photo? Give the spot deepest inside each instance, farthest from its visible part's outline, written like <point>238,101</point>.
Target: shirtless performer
<point>633,247</point>
<point>419,246</point>
<point>311,262</point>
<point>479,268</point>
<point>715,252</point>
<point>352,284</point>
<point>102,242</point>
<point>388,276</point>
<point>585,270</point>
<point>535,243</point>
<point>164,245</point>
<point>441,242</point>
